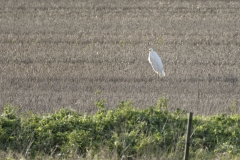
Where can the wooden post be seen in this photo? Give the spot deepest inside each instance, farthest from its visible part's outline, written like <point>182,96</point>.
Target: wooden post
<point>189,126</point>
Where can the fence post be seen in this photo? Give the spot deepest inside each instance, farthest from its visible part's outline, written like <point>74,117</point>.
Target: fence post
<point>187,144</point>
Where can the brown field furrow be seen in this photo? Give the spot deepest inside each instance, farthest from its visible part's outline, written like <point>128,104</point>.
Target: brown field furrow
<point>59,54</point>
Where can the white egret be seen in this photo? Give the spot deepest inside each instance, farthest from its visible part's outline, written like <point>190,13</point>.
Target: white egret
<point>156,62</point>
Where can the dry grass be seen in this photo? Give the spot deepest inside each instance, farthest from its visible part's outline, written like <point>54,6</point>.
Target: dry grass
<point>56,55</point>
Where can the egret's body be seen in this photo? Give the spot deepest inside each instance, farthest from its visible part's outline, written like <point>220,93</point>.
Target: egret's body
<point>156,62</point>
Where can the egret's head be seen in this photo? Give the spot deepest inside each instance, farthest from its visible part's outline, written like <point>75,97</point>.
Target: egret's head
<point>150,50</point>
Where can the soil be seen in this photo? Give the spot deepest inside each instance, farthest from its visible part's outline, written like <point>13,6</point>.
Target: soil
<point>69,54</point>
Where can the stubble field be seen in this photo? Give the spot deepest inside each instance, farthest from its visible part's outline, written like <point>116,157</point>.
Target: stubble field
<point>57,55</point>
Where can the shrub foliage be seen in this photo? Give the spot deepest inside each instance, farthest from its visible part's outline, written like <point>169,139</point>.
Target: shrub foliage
<point>126,131</point>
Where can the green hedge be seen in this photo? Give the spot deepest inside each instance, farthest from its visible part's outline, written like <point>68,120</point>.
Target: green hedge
<point>126,131</point>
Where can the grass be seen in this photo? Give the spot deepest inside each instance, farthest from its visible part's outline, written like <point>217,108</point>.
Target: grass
<point>123,133</point>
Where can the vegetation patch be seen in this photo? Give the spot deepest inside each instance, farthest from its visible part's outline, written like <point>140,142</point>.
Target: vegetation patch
<point>125,132</point>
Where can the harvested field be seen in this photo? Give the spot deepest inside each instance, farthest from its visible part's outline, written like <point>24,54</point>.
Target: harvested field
<point>58,54</point>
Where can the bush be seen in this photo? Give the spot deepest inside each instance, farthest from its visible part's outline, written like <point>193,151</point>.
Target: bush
<point>126,131</point>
